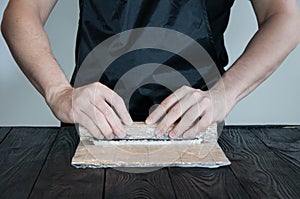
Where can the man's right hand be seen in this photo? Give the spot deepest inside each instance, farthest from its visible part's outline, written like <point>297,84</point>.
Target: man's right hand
<point>94,106</point>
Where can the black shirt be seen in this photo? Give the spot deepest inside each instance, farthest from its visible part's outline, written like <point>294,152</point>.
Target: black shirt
<point>203,20</point>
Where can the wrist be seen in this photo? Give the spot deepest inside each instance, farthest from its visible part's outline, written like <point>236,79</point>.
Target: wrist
<point>53,91</point>
<point>227,95</point>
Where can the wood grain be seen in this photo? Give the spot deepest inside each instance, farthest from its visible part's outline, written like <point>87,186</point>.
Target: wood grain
<point>4,131</point>
<point>154,184</point>
<point>286,147</point>
<point>35,163</point>
<point>60,179</point>
<point>260,170</point>
<point>206,183</point>
<point>23,154</point>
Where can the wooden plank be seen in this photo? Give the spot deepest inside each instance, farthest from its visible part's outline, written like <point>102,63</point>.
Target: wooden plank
<point>22,155</point>
<point>257,166</point>
<point>155,184</point>
<point>284,142</point>
<point>4,132</point>
<point>206,183</point>
<point>58,179</point>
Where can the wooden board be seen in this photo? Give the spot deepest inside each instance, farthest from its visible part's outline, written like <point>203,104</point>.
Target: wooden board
<point>58,179</point>
<point>138,151</point>
<point>138,185</point>
<point>4,131</point>
<point>19,169</point>
<point>190,183</point>
<point>266,161</point>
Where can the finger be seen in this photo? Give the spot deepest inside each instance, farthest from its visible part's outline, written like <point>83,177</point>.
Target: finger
<point>118,103</point>
<point>85,121</point>
<point>200,126</point>
<point>167,104</point>
<point>177,111</point>
<point>187,121</point>
<point>112,119</point>
<point>99,119</point>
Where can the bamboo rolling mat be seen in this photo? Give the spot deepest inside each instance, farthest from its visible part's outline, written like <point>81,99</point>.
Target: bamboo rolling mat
<point>141,148</point>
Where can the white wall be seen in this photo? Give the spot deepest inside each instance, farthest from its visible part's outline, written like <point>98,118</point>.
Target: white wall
<point>20,103</point>
<point>274,102</point>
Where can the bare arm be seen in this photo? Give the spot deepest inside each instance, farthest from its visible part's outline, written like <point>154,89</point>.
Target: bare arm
<point>22,27</point>
<point>278,35</point>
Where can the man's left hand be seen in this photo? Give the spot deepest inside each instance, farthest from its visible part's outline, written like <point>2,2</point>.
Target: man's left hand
<point>197,109</point>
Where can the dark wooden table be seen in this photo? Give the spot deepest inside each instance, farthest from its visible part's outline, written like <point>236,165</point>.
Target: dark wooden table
<point>35,163</point>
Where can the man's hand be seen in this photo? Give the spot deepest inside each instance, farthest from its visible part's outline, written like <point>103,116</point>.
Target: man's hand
<point>278,29</point>
<point>94,106</point>
<point>197,110</point>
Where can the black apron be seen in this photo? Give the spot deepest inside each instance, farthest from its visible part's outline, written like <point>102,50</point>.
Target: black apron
<point>203,21</point>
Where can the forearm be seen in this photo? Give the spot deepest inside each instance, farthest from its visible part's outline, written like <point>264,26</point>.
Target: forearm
<point>274,40</point>
<point>22,27</point>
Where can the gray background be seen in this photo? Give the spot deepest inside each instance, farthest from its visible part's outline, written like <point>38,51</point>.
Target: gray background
<point>276,101</point>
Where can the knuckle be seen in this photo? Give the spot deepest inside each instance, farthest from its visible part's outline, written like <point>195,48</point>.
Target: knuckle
<point>116,128</point>
<point>185,87</point>
<point>100,88</point>
<point>117,98</point>
<point>187,118</point>
<point>196,95</point>
<point>111,97</point>
<point>98,116</point>
<point>114,120</point>
<point>164,105</point>
<point>96,84</point>
<point>199,90</point>
<point>174,96</point>
<point>106,111</point>
<point>206,100</point>
<point>176,110</point>
<point>179,127</point>
<point>164,128</point>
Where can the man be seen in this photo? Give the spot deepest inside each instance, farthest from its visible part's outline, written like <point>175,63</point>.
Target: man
<point>22,27</point>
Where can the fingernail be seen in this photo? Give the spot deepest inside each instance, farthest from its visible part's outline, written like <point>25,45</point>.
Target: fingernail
<point>111,136</point>
<point>149,121</point>
<point>129,122</point>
